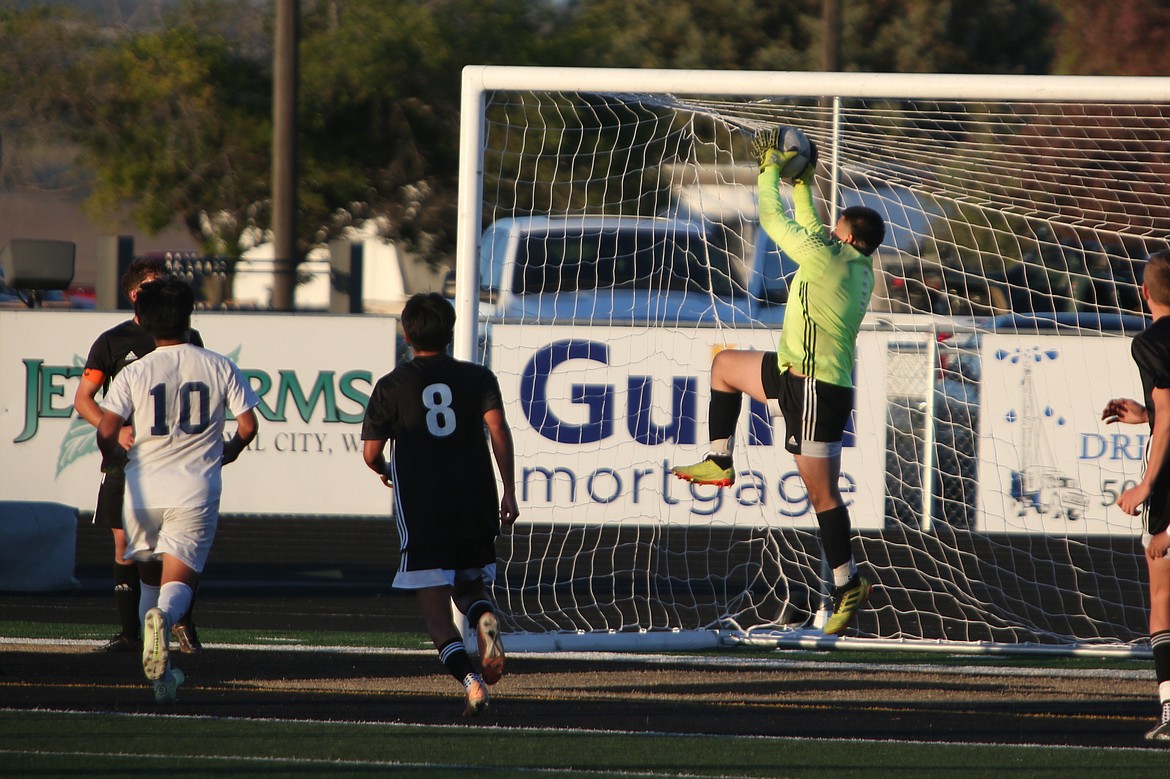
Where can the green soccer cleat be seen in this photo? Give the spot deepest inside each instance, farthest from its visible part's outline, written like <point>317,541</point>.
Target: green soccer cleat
<point>167,688</point>
<point>846,601</point>
<point>706,472</point>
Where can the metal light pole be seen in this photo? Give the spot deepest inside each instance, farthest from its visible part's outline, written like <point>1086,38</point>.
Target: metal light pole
<point>284,154</point>
<point>831,51</point>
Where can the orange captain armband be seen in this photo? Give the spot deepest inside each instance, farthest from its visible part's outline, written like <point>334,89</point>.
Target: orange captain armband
<point>93,375</point>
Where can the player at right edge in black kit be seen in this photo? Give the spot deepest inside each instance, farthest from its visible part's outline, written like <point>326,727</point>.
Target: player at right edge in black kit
<point>433,411</point>
<point>1151,352</point>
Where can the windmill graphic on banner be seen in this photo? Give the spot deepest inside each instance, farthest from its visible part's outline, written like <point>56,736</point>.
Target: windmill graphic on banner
<point>1037,485</point>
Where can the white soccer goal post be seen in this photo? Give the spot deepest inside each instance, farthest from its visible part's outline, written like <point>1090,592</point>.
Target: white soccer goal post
<point>977,470</point>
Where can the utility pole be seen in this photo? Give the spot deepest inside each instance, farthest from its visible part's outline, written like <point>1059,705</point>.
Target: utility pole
<point>284,154</point>
<point>831,20</point>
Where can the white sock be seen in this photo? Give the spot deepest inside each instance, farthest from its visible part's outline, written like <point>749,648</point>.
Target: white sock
<point>147,600</point>
<point>175,599</point>
<point>843,573</point>
<point>723,447</point>
<point>1164,692</point>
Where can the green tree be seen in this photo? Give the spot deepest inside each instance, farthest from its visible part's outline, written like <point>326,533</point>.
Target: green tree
<point>715,34</point>
<point>177,124</point>
<point>380,89</point>
<point>1128,38</point>
<point>37,94</point>
<point>947,36</point>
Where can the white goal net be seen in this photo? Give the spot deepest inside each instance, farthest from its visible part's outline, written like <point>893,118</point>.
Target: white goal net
<point>608,246</point>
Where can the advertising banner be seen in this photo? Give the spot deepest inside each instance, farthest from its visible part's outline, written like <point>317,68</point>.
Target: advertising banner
<point>313,373</point>
<point>600,415</point>
<point>1047,462</point>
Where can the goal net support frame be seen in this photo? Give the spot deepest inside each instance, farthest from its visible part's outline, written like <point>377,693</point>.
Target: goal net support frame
<point>1005,172</point>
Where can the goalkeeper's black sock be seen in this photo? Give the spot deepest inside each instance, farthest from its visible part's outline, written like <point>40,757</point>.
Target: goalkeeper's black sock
<point>127,589</point>
<point>834,525</point>
<point>723,414</point>
<point>454,657</point>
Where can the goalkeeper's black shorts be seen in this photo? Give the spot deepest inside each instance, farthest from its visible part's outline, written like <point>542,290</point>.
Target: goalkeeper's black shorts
<point>815,412</point>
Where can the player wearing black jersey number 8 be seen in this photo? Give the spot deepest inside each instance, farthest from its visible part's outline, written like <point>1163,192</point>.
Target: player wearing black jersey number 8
<point>432,411</point>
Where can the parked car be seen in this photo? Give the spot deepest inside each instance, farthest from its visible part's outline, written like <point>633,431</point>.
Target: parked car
<point>913,285</point>
<point>1062,277</point>
<point>604,269</point>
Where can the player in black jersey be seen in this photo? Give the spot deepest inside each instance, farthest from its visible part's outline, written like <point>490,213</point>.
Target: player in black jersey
<point>433,411</point>
<point>111,352</point>
<point>1151,352</point>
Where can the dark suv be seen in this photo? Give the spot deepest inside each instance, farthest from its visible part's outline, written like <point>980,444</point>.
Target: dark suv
<point>1065,277</point>
<point>926,287</point>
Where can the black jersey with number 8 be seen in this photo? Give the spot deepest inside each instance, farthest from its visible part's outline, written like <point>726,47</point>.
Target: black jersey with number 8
<point>432,409</point>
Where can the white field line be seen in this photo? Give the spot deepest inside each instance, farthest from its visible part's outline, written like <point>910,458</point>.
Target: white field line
<point>497,731</point>
<point>680,660</point>
<point>392,764</point>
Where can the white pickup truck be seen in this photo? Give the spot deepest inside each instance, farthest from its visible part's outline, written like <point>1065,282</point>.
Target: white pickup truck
<point>623,270</point>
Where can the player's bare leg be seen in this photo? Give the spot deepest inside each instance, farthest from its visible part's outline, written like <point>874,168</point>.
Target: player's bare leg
<point>734,373</point>
<point>1159,570</point>
<point>435,603</point>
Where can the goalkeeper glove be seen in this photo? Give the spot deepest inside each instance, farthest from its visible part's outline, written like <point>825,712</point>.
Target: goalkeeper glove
<point>765,145</point>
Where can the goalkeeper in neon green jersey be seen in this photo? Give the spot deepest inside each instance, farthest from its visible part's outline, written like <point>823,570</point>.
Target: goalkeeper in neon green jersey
<point>809,378</point>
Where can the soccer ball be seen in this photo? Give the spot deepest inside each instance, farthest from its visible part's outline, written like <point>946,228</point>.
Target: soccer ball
<point>794,139</point>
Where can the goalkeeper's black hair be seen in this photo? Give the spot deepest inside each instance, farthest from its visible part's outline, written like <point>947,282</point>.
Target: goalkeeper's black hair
<point>164,307</point>
<point>867,226</point>
<point>428,319</point>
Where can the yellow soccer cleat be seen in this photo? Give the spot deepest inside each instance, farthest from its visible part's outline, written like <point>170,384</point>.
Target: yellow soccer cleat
<point>155,645</point>
<point>706,472</point>
<point>846,601</point>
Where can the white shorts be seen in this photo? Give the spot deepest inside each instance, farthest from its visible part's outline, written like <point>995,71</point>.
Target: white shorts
<point>442,577</point>
<point>185,533</point>
<point>1147,538</point>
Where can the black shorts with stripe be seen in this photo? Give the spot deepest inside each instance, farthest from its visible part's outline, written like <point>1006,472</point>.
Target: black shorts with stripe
<point>110,500</point>
<point>815,412</point>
